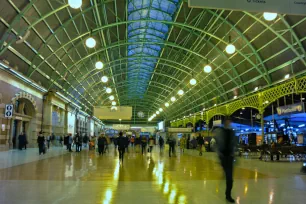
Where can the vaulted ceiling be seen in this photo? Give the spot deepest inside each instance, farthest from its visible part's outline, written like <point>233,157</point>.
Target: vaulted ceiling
<point>150,50</point>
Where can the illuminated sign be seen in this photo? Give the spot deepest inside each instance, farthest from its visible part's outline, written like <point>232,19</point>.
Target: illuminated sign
<point>294,108</point>
<point>295,7</point>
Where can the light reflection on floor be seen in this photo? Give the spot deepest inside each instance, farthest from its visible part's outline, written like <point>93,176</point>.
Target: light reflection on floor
<point>156,178</point>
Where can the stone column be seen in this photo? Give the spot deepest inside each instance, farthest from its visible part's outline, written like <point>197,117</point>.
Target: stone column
<point>65,113</point>
<point>47,115</point>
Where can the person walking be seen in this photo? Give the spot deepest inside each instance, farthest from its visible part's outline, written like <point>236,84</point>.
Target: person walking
<point>172,142</point>
<point>137,143</point>
<point>161,143</point>
<point>122,143</point>
<point>143,144</point>
<point>200,140</point>
<point>183,143</point>
<point>21,141</point>
<point>77,142</point>
<point>151,144</point>
<point>85,140</point>
<point>101,144</point>
<point>225,149</point>
<point>132,141</point>
<point>41,143</point>
<point>48,141</point>
<point>70,141</point>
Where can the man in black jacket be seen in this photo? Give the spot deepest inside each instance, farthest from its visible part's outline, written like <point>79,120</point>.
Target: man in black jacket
<point>41,143</point>
<point>122,143</point>
<point>101,144</point>
<point>225,149</point>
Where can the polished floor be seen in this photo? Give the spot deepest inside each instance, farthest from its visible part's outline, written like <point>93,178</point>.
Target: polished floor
<point>61,177</point>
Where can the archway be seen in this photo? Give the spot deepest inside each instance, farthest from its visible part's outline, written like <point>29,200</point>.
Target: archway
<point>200,125</point>
<point>24,119</point>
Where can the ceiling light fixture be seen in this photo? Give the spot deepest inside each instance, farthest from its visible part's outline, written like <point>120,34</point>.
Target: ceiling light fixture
<point>207,67</point>
<point>154,115</point>
<point>104,79</point>
<point>90,42</point>
<point>193,81</point>
<point>287,76</point>
<point>173,98</point>
<point>230,48</point>
<point>161,110</point>
<point>256,88</point>
<point>235,97</point>
<point>111,98</point>
<point>157,112</point>
<point>108,90</point>
<point>167,104</point>
<point>269,16</point>
<point>180,92</point>
<point>75,4</point>
<point>99,65</point>
<point>114,103</point>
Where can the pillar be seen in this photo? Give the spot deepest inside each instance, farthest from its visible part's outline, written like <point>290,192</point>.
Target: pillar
<point>47,115</point>
<point>262,123</point>
<point>65,113</point>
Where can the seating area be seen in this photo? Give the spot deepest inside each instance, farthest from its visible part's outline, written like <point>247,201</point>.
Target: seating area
<point>267,153</point>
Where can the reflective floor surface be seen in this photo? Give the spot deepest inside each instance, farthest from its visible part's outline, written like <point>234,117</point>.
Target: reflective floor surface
<point>61,177</point>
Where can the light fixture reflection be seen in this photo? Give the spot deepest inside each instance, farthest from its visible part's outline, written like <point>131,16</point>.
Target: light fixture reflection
<point>75,4</point>
<point>99,65</point>
<point>269,16</point>
<point>90,42</point>
<point>230,49</point>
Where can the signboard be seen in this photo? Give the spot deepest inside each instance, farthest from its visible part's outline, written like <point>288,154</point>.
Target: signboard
<point>295,7</point>
<point>121,127</point>
<point>217,122</point>
<point>290,109</point>
<point>106,113</point>
<point>8,110</point>
<point>180,130</point>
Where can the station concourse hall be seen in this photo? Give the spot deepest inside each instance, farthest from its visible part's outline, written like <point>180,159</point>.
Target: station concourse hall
<point>152,102</point>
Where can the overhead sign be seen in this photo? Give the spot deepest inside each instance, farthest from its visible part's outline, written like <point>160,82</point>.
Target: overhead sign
<point>107,113</point>
<point>121,127</point>
<point>290,109</point>
<point>295,7</point>
<point>179,130</point>
<point>8,110</point>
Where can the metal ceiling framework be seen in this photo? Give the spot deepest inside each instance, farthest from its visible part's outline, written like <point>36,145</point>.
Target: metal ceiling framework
<point>150,50</point>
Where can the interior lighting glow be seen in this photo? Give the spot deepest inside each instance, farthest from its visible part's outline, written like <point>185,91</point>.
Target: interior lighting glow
<point>269,16</point>
<point>193,82</point>
<point>230,49</point>
<point>111,98</point>
<point>114,103</point>
<point>157,112</point>
<point>91,42</point>
<point>75,4</point>
<point>160,110</point>
<point>167,104</point>
<point>173,98</point>
<point>282,125</point>
<point>256,88</point>
<point>287,76</point>
<point>207,69</point>
<point>154,115</point>
<point>180,92</point>
<point>303,125</point>
<point>235,97</point>
<point>108,90</point>
<point>104,79</point>
<point>99,65</point>
<point>215,105</point>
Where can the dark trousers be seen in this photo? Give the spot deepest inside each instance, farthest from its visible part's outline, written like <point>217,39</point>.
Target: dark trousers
<point>161,148</point>
<point>48,142</point>
<point>101,149</point>
<point>69,147</point>
<point>143,148</point>
<point>150,148</point>
<point>21,145</point>
<point>121,153</point>
<point>41,149</point>
<point>227,165</point>
<point>78,147</point>
<point>171,149</point>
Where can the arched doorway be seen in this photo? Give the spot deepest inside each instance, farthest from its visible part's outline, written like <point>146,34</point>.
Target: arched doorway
<point>24,120</point>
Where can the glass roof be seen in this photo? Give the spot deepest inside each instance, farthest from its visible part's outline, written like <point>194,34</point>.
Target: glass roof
<point>143,31</point>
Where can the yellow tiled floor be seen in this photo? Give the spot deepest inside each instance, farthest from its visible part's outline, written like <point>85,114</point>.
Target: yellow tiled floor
<point>88,178</point>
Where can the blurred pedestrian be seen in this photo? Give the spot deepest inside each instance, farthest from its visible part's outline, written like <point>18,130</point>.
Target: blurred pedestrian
<point>225,149</point>
<point>101,143</point>
<point>172,143</point>
<point>183,143</point>
<point>41,143</point>
<point>161,143</point>
<point>151,144</point>
<point>122,143</point>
